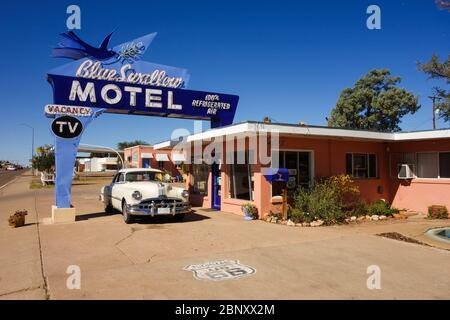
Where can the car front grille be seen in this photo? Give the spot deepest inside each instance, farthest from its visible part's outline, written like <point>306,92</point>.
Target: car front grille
<point>162,203</point>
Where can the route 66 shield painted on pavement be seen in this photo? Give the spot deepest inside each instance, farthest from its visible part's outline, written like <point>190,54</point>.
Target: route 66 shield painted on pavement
<point>220,270</point>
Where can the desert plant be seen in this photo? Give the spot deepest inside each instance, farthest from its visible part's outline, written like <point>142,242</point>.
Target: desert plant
<point>437,212</point>
<point>17,219</point>
<point>381,208</point>
<point>357,209</point>
<point>328,200</point>
<point>297,215</point>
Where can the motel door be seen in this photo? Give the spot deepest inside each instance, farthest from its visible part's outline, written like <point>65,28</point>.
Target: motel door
<point>216,186</point>
<point>145,163</point>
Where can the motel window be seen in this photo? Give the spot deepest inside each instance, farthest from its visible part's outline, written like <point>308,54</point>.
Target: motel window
<point>433,165</point>
<point>361,165</point>
<point>444,165</point>
<point>240,177</point>
<point>397,159</point>
<point>199,178</point>
<point>161,164</point>
<point>300,175</point>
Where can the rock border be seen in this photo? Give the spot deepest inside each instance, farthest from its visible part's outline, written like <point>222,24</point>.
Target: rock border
<point>317,223</point>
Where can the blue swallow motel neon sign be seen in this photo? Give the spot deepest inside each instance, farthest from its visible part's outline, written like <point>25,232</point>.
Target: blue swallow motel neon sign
<point>117,81</point>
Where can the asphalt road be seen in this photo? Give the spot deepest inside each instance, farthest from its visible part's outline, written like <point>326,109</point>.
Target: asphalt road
<point>7,176</point>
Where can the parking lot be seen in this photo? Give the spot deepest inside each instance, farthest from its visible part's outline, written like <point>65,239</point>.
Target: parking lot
<point>146,260</point>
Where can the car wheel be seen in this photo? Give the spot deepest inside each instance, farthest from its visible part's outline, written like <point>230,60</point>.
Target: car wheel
<point>126,216</point>
<point>179,217</point>
<point>109,209</point>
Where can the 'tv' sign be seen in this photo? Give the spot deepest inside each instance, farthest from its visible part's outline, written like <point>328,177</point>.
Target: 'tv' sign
<point>67,127</point>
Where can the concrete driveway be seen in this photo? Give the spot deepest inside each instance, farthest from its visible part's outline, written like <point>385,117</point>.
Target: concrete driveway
<point>145,260</point>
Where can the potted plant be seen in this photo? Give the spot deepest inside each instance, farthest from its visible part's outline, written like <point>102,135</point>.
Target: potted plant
<point>17,219</point>
<point>250,211</point>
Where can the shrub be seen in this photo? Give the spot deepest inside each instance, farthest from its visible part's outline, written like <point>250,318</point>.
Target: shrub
<point>251,209</point>
<point>297,215</point>
<point>357,209</point>
<point>437,212</point>
<point>328,200</point>
<point>381,208</point>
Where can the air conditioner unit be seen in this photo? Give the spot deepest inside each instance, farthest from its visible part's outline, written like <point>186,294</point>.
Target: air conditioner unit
<point>406,171</point>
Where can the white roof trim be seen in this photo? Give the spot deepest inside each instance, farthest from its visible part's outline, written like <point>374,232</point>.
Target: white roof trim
<point>250,127</point>
<point>422,135</point>
<point>164,145</point>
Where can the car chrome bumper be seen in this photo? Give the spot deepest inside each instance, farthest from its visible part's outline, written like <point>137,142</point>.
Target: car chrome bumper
<point>148,209</point>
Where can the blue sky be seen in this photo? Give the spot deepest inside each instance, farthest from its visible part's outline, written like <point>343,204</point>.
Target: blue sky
<point>288,60</point>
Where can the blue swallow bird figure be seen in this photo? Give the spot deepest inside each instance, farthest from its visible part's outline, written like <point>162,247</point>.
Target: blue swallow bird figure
<point>72,47</point>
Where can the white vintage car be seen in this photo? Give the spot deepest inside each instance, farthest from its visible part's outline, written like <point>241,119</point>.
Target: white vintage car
<point>141,192</point>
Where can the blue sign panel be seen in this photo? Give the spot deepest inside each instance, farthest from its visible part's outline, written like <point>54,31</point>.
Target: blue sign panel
<point>122,97</point>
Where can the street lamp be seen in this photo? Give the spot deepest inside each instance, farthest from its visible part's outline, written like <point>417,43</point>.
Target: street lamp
<point>32,143</point>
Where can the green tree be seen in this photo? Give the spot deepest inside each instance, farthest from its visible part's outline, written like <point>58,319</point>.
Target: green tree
<point>440,71</point>
<point>443,5</point>
<point>127,144</point>
<point>45,158</point>
<point>375,103</point>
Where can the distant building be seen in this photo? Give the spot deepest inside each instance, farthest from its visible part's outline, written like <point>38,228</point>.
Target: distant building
<point>99,164</point>
<point>98,159</point>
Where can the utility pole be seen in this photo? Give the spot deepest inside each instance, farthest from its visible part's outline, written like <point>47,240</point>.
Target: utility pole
<point>433,98</point>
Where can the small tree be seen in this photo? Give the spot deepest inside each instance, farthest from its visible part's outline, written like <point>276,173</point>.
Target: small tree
<point>45,158</point>
<point>440,71</point>
<point>375,103</point>
<point>127,144</point>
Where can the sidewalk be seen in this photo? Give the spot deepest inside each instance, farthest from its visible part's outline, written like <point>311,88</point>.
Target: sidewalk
<point>21,275</point>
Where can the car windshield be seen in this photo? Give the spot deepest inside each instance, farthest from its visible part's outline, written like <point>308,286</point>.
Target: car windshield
<point>143,176</point>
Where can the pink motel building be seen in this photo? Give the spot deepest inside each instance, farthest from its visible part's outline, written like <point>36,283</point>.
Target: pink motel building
<point>411,170</point>
<point>145,156</point>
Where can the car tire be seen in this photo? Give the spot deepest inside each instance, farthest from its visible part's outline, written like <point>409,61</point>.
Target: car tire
<point>179,217</point>
<point>109,209</point>
<point>127,218</point>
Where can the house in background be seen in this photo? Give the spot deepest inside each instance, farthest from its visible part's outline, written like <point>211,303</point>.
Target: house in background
<point>103,164</point>
<point>411,170</point>
<point>98,159</point>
